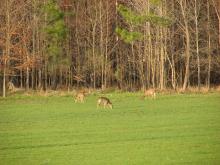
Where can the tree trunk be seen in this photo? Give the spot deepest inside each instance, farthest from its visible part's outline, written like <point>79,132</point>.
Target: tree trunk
<point>197,45</point>
<point>209,46</point>
<point>187,47</point>
<point>7,47</point>
<point>187,52</point>
<point>27,78</point>
<point>4,80</point>
<point>93,56</point>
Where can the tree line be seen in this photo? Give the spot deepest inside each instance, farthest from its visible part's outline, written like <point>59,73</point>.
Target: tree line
<point>126,44</point>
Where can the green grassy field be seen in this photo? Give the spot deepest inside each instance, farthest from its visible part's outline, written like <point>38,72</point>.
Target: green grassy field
<point>173,129</point>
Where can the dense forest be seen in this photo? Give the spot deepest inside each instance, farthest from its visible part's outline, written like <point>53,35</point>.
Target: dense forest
<point>124,44</point>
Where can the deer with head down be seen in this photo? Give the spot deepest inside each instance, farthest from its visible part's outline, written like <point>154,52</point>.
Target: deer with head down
<point>80,97</point>
<point>104,102</point>
<point>150,93</point>
<point>11,86</point>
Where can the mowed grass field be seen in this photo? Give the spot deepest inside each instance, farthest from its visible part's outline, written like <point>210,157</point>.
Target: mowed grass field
<point>173,129</point>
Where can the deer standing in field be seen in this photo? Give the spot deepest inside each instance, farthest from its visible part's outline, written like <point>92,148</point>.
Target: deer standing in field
<point>80,97</point>
<point>150,93</point>
<point>11,86</point>
<point>104,102</point>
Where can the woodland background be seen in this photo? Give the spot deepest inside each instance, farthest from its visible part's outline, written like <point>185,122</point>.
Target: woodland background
<point>125,44</point>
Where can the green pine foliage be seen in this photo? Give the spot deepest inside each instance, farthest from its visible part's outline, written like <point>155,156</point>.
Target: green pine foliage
<point>134,19</point>
<point>55,30</point>
<point>127,36</point>
<point>129,15</point>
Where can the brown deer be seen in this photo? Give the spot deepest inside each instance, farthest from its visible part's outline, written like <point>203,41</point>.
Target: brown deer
<point>11,86</point>
<point>80,97</point>
<point>104,102</point>
<point>150,93</point>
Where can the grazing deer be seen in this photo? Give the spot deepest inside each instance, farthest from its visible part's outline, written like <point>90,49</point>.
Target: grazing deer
<point>80,97</point>
<point>104,102</point>
<point>11,86</point>
<point>150,93</point>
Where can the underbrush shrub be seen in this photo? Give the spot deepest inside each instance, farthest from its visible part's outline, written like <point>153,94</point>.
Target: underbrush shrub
<point>109,90</point>
<point>204,89</point>
<point>191,90</point>
<point>218,88</point>
<point>167,91</point>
